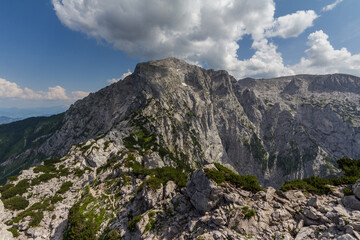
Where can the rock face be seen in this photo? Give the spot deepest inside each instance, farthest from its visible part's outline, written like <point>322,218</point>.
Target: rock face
<point>276,129</point>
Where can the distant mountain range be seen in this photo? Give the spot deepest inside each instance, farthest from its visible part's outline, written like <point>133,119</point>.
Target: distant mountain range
<point>4,120</point>
<point>13,114</point>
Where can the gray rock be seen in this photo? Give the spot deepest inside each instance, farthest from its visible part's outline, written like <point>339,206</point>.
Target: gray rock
<point>351,202</point>
<point>345,237</point>
<point>313,202</point>
<point>203,193</point>
<point>356,189</point>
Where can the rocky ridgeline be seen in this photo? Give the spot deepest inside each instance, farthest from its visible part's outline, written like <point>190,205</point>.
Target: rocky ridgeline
<point>101,189</point>
<point>276,129</point>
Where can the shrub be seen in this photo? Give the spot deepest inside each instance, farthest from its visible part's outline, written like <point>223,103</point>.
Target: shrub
<point>154,183</point>
<point>222,174</point>
<point>42,178</point>
<point>56,198</point>
<point>313,184</point>
<point>16,203</point>
<point>348,191</point>
<point>79,172</point>
<point>248,213</point>
<point>36,218</point>
<point>65,187</point>
<point>132,223</point>
<point>215,175</point>
<point>14,232</point>
<point>19,189</point>
<point>13,178</point>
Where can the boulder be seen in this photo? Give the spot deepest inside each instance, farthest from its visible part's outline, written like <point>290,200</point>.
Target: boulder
<point>351,202</point>
<point>356,189</point>
<point>204,194</point>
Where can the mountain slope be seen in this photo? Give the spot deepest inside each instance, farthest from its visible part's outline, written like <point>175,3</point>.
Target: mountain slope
<point>275,129</point>
<point>20,140</point>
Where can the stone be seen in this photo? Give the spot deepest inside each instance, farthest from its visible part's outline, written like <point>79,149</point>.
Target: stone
<point>169,190</point>
<point>232,197</point>
<point>304,233</point>
<point>203,193</point>
<point>351,202</point>
<point>346,237</point>
<point>313,202</point>
<point>356,189</point>
<point>270,191</point>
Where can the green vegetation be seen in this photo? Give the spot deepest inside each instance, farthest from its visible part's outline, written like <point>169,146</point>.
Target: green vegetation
<point>17,137</point>
<point>42,178</point>
<point>313,184</point>
<point>248,213</point>
<point>35,212</point>
<point>16,203</point>
<point>348,191</point>
<point>143,141</point>
<point>84,219</point>
<point>14,232</point>
<point>223,174</point>
<point>56,198</point>
<point>113,235</point>
<point>65,187</point>
<point>132,223</point>
<point>350,173</point>
<point>150,226</point>
<point>11,191</point>
<point>258,151</point>
<point>154,182</point>
<point>162,175</point>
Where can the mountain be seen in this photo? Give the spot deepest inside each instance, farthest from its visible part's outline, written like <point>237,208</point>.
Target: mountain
<point>276,129</point>
<point>157,156</point>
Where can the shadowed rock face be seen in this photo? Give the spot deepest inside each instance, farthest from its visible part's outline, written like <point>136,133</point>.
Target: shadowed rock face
<point>275,129</point>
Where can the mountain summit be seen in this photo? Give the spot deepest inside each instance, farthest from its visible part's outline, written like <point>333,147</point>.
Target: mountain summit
<point>172,151</point>
<point>276,129</point>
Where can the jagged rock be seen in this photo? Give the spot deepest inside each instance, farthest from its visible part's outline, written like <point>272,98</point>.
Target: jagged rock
<point>351,202</point>
<point>280,215</point>
<point>38,233</point>
<point>345,237</point>
<point>313,202</point>
<point>295,196</point>
<point>304,233</point>
<point>270,191</point>
<point>356,189</point>
<point>169,189</point>
<point>204,194</point>
<point>232,197</point>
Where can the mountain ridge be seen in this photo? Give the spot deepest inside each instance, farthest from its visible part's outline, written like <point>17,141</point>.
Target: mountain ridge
<point>229,121</point>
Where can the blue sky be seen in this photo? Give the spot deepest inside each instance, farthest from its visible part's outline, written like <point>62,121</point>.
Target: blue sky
<point>54,52</point>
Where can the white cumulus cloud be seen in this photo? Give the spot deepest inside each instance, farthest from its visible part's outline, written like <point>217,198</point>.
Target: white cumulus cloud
<point>322,58</point>
<point>331,6</point>
<point>124,75</point>
<point>292,25</point>
<point>199,31</point>
<point>12,90</point>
